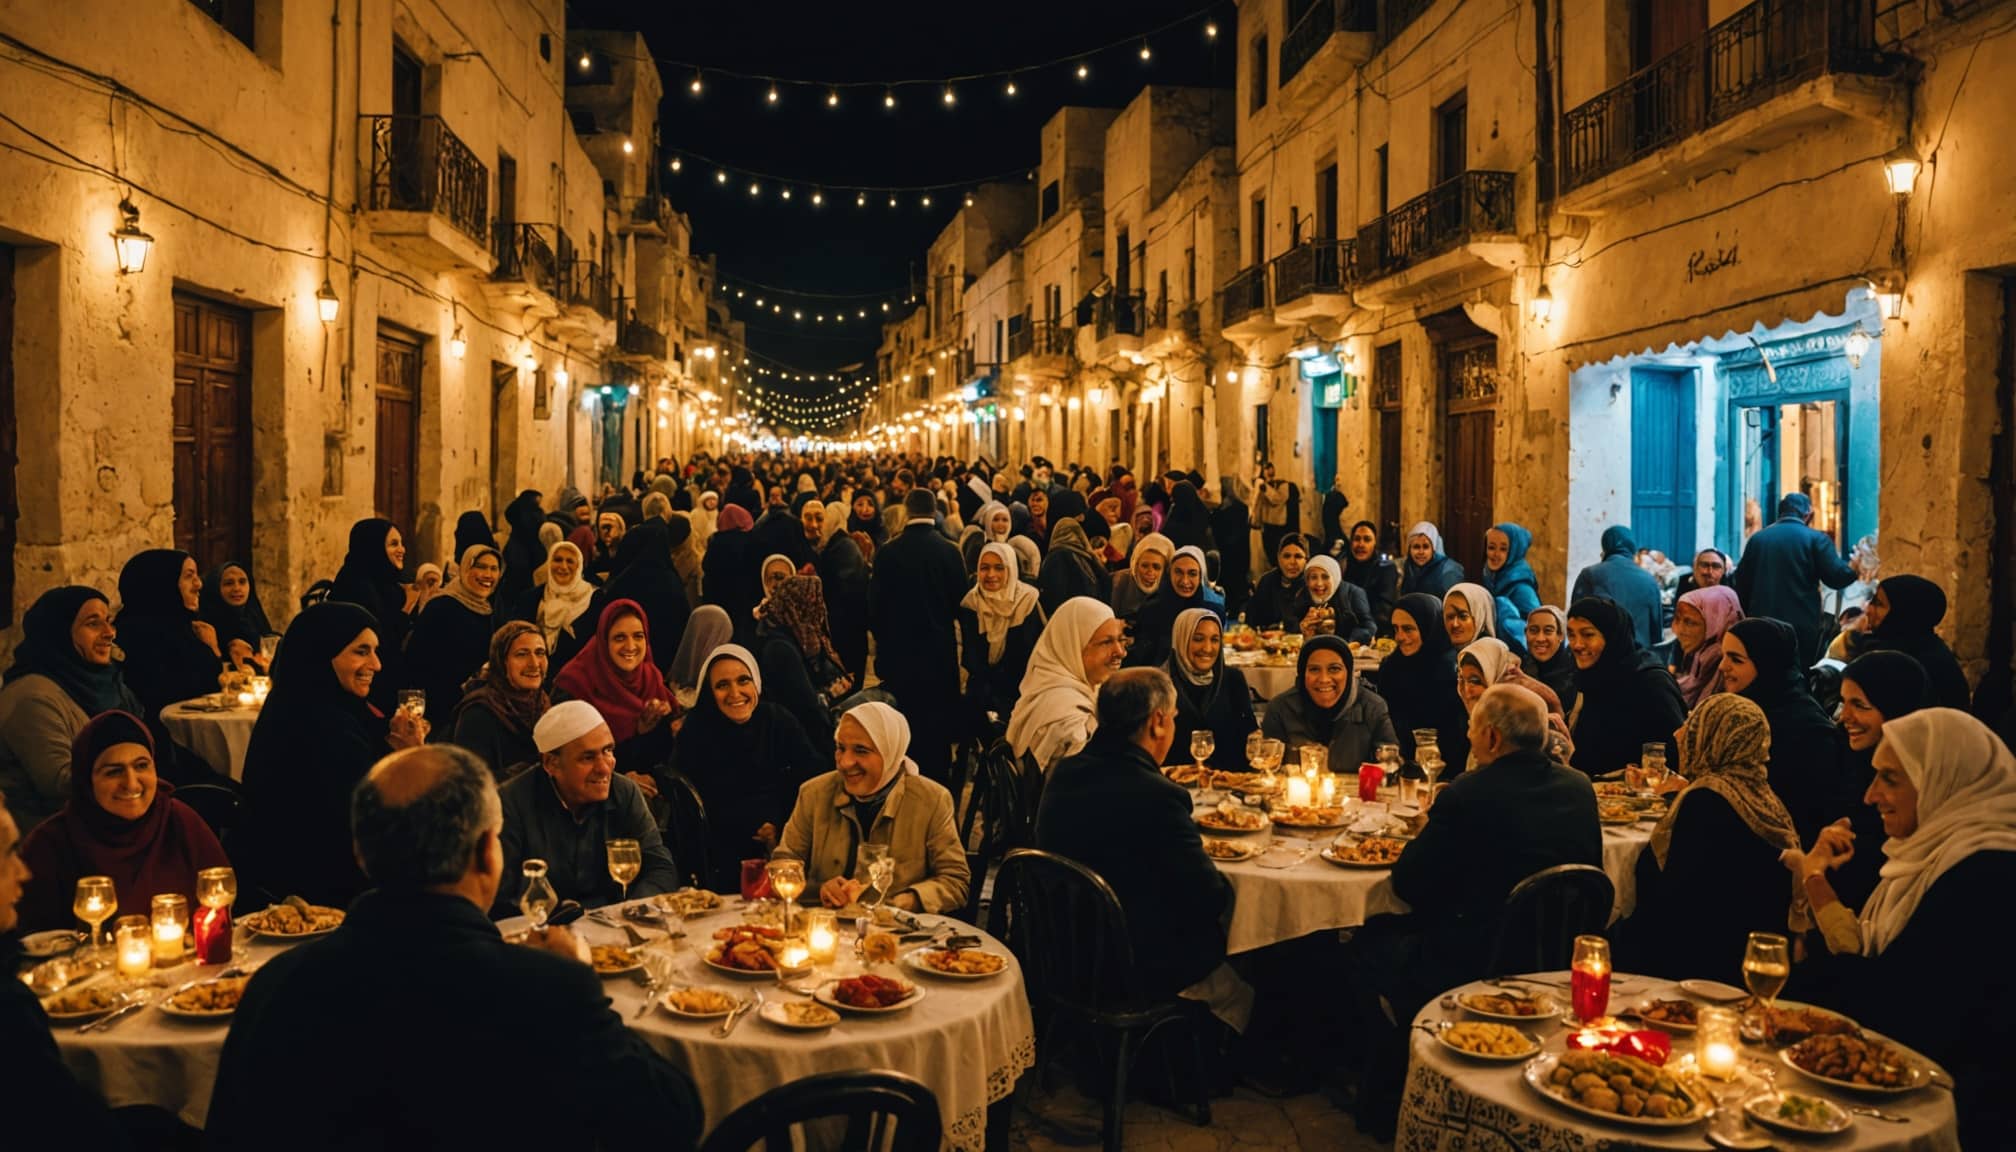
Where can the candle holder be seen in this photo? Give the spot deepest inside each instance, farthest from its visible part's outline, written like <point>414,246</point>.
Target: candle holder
<point>822,934</point>
<point>261,686</point>
<point>171,927</point>
<point>1718,1043</point>
<point>1589,979</point>
<point>133,943</point>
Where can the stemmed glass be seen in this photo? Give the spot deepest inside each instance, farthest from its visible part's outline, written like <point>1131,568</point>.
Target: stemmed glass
<point>539,899</point>
<point>269,647</point>
<point>788,878</point>
<point>881,869</point>
<point>94,903</point>
<point>1202,744</point>
<point>626,860</point>
<point>1652,766</point>
<point>1766,966</point>
<point>1269,759</point>
<point>1428,754</point>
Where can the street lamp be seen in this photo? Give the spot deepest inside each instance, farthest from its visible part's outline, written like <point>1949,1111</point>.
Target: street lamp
<point>1900,170</point>
<point>1543,305</point>
<point>1856,345</point>
<point>131,244</point>
<point>326,302</point>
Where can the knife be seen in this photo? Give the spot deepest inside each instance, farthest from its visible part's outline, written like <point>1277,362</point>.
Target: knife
<point>116,1015</point>
<point>735,1017</point>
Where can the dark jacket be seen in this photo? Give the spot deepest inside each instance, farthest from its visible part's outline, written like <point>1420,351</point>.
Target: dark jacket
<point>1379,579</point>
<point>1224,709</point>
<point>1625,701</point>
<point>447,646</point>
<point>1272,597</point>
<point>995,687</point>
<point>1359,729</point>
<point>1720,883</point>
<point>1177,901</point>
<point>1806,765</point>
<point>1779,575</point>
<point>537,826</point>
<point>505,750</point>
<point>795,683</point>
<point>1235,552</point>
<point>918,582</point>
<point>1067,573</point>
<point>1619,579</point>
<point>1491,828</point>
<point>843,576</point>
<point>1354,612</point>
<point>500,1018</point>
<point>44,1104</point>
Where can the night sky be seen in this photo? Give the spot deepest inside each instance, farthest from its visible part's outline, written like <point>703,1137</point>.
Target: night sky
<point>839,248</point>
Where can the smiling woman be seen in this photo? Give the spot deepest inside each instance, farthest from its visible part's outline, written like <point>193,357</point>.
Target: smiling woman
<point>1328,707</point>
<point>451,639</point>
<point>62,675</point>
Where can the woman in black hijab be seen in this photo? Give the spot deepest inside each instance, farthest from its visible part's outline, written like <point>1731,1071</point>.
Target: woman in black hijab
<point>314,740</point>
<point>63,674</point>
<point>471,529</point>
<point>1902,616</point>
<point>1274,594</point>
<point>1372,570</point>
<point>451,637</point>
<point>229,603</point>
<point>644,573</point>
<point>1760,661</point>
<point>1209,696</point>
<point>523,553</point>
<point>1627,698</point>
<point>369,578</point>
<point>1418,680</point>
<point>1329,707</point>
<point>1188,522</point>
<point>170,654</point>
<point>1875,689</point>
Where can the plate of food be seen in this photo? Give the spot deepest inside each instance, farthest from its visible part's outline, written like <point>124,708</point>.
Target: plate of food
<point>1251,783</point>
<point>208,1000</point>
<point>687,901</point>
<point>55,942</point>
<point>1671,1015</point>
<point>1483,1040</point>
<point>1188,775</point>
<point>749,950</point>
<point>1371,852</point>
<point>1231,851</point>
<point>1714,991</point>
<point>697,1002</point>
<point>1864,1063</point>
<point>294,919</point>
<point>1309,816</point>
<point>1233,819</point>
<point>1792,1022</point>
<point>82,1003</point>
<point>1505,1006</point>
<point>1798,1113</point>
<point>958,963</point>
<point>1620,1089</point>
<point>614,959</point>
<point>1616,812</point>
<point>799,1015</point>
<point>870,994</point>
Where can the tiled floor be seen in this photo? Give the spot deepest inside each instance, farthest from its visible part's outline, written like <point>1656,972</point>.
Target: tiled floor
<point>1063,1118</point>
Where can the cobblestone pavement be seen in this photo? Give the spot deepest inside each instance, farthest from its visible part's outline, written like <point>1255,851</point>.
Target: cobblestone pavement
<point>1245,1121</point>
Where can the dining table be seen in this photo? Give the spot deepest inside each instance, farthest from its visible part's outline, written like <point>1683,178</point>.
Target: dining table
<point>1270,676</point>
<point>1453,1101</point>
<point>218,732</point>
<point>968,1040</point>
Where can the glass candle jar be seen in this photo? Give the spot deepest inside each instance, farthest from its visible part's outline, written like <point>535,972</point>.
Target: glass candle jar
<point>133,939</point>
<point>171,927</point>
<point>1718,1043</point>
<point>822,934</point>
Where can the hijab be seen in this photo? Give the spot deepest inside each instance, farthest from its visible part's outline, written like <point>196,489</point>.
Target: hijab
<point>1917,605</point>
<point>302,674</point>
<point>1618,541</point>
<point>366,560</point>
<point>1699,672</point>
<point>890,733</point>
<point>473,528</point>
<point>1000,612</point>
<point>1434,535</point>
<point>1054,687</point>
<point>1482,608</point>
<point>1621,658</point>
<point>1432,667</point>
<point>560,605</point>
<point>593,676</point>
<point>705,704</point>
<point>1161,545</point>
<point>1774,649</point>
<point>1336,579</point>
<point>706,630</point>
<point>518,709</point>
<point>1562,663</point>
<point>1724,747</point>
<point>246,621</point>
<point>734,518</point>
<point>1516,570</point>
<point>459,590</point>
<point>833,519</point>
<point>46,650</point>
<point>798,609</point>
<point>1179,667</point>
<point>1325,718</point>
<point>684,543</point>
<point>1966,783</point>
<point>1363,572</point>
<point>984,520</point>
<point>1892,681</point>
<point>763,572</point>
<point>1499,665</point>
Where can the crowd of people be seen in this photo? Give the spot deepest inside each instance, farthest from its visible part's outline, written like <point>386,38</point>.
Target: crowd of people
<point>803,648</point>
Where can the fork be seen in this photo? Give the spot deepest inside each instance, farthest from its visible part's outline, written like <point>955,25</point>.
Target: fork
<point>750,1005</point>
<point>1879,1114</point>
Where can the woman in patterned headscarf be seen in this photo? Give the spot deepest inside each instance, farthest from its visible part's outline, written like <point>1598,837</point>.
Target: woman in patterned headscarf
<point>794,650</point>
<point>1712,875</point>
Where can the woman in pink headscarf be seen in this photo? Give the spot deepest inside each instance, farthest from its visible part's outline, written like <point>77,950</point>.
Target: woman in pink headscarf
<point>1699,620</point>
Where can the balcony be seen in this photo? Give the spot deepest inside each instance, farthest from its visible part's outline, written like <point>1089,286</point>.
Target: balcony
<point>1118,322</point>
<point>1242,305</point>
<point>584,284</point>
<point>1458,232</point>
<point>524,277</point>
<point>1313,280</point>
<point>427,197</point>
<point>1326,39</point>
<point>636,340</point>
<point>1042,348</point>
<point>1399,15</point>
<point>1774,70</point>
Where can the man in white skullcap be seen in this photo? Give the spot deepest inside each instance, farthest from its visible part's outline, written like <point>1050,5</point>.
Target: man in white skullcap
<point>567,811</point>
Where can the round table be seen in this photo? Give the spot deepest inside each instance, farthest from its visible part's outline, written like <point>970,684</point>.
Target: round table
<point>218,736</point>
<point>1290,891</point>
<point>968,1040</point>
<point>1452,1102</point>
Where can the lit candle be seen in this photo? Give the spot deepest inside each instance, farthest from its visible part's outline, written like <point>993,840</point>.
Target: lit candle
<point>168,942</point>
<point>1326,790</point>
<point>136,951</point>
<point>822,935</point>
<point>1715,1042</point>
<point>795,956</point>
<point>245,699</point>
<point>171,924</point>
<point>261,685</point>
<point>1298,791</point>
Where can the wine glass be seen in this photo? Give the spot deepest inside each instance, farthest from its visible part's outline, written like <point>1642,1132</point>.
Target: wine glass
<point>413,702</point>
<point>539,899</point>
<point>1428,754</point>
<point>1589,978</point>
<point>216,887</point>
<point>788,878</point>
<point>94,903</point>
<point>1202,744</point>
<point>1652,766</point>
<point>1255,742</point>
<point>880,869</point>
<point>269,647</point>
<point>1766,966</point>
<point>626,860</point>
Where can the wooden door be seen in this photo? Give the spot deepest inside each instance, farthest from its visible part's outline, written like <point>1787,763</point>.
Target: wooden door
<point>10,447</point>
<point>1452,137</point>
<point>1660,28</point>
<point>394,492</point>
<point>503,437</point>
<point>1469,372</point>
<point>1326,202</point>
<point>1386,401</point>
<point>211,431</point>
<point>1662,461</point>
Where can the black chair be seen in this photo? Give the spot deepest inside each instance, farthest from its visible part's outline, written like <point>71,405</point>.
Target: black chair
<point>1544,913</point>
<point>1066,926</point>
<point>686,828</point>
<point>887,1111</point>
<point>220,807</point>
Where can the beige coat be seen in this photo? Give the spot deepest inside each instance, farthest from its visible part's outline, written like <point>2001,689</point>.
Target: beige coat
<point>915,822</point>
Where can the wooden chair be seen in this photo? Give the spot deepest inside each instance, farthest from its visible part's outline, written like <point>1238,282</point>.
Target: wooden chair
<point>885,1111</point>
<point>1544,913</point>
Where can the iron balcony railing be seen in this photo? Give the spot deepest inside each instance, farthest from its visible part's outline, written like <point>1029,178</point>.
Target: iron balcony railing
<point>1243,295</point>
<point>1398,15</point>
<point>1461,208</point>
<point>419,165</point>
<point>1040,338</point>
<point>523,253</point>
<point>1319,20</point>
<point>1314,266</point>
<point>1738,64</point>
<point>584,284</point>
<point>1120,315</point>
<point>634,335</point>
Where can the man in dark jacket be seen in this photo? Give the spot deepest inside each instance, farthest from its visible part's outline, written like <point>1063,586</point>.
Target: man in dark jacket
<point>324,1051</point>
<point>1618,578</point>
<point>1783,566</point>
<point>912,597</point>
<point>1336,534</point>
<point>1176,900</point>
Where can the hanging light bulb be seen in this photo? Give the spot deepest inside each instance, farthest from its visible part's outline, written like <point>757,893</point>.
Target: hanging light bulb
<point>860,199</point>
<point>892,201</point>
<point>1011,86</point>
<point>628,147</point>
<point>129,243</point>
<point>755,189</point>
<point>326,302</point>
<point>888,98</point>
<point>720,177</point>
<point>694,87</point>
<point>586,62</point>
<point>927,201</point>
<point>1210,30</point>
<point>832,97</point>
<point>786,194</point>
<point>951,97</point>
<point>1856,345</point>
<point>676,164</point>
<point>772,96</point>
<point>1145,53</point>
<point>818,197</point>
<point>457,346</point>
<point>969,199</point>
<point>560,376</point>
<point>1543,305</point>
<point>1084,70</point>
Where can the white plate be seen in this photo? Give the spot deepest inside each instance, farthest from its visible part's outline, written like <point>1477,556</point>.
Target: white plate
<point>1329,854</point>
<point>1247,851</point>
<point>168,1006</point>
<point>1215,830</point>
<point>824,994</point>
<point>1552,1006</point>
<point>757,974</point>
<point>253,921</point>
<point>1532,1047</point>
<point>1713,991</point>
<point>1540,1067</point>
<point>48,1007</point>
<point>1637,1011</point>
<point>916,960</point>
<point>636,964</point>
<point>55,941</point>
<point>1764,1110</point>
<point>667,1004</point>
<point>773,1011</point>
<point>1337,823</point>
<point>1920,1068</point>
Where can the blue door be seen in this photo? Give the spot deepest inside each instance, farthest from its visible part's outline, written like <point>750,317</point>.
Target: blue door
<point>1662,461</point>
<point>1325,395</point>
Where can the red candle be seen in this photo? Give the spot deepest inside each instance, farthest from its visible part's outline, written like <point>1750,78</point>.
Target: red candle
<point>213,935</point>
<point>1370,777</point>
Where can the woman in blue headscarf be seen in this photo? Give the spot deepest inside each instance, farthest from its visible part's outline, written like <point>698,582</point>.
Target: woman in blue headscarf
<point>1509,578</point>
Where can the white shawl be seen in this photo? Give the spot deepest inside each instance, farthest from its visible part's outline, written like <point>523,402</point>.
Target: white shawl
<point>1056,712</point>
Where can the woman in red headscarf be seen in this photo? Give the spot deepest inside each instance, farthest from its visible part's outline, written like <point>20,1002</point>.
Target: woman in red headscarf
<point>617,673</point>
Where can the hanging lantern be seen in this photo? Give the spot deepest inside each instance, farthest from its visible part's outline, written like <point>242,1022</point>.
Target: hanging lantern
<point>1543,305</point>
<point>131,244</point>
<point>326,302</point>
<point>457,346</point>
<point>1856,345</point>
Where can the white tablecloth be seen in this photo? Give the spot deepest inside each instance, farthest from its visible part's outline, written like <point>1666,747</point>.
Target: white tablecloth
<point>1270,680</point>
<point>1275,904</point>
<point>1455,1104</point>
<point>969,1041</point>
<point>219,737</point>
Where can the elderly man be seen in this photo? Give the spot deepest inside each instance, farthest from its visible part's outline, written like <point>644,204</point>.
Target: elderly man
<point>913,596</point>
<point>566,814</point>
<point>1782,569</point>
<point>401,1029</point>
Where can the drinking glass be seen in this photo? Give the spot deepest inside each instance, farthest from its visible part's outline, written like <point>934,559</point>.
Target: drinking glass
<point>1255,742</point>
<point>1202,744</point>
<point>880,868</point>
<point>94,903</point>
<point>1652,765</point>
<point>169,914</point>
<point>626,860</point>
<point>134,940</point>
<point>216,891</point>
<point>1589,978</point>
<point>216,887</point>
<point>413,702</point>
<point>269,647</point>
<point>788,878</point>
<point>1428,754</point>
<point>1766,965</point>
<point>539,899</point>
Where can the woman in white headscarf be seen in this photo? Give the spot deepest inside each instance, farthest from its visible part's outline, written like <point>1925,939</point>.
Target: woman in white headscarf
<point>1055,710</point>
<point>875,796</point>
<point>1209,696</point>
<point>999,624</point>
<point>1945,786</point>
<point>559,605</point>
<point>1470,613</point>
<point>1329,605</point>
<point>1143,575</point>
<point>1426,568</point>
<point>706,512</point>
